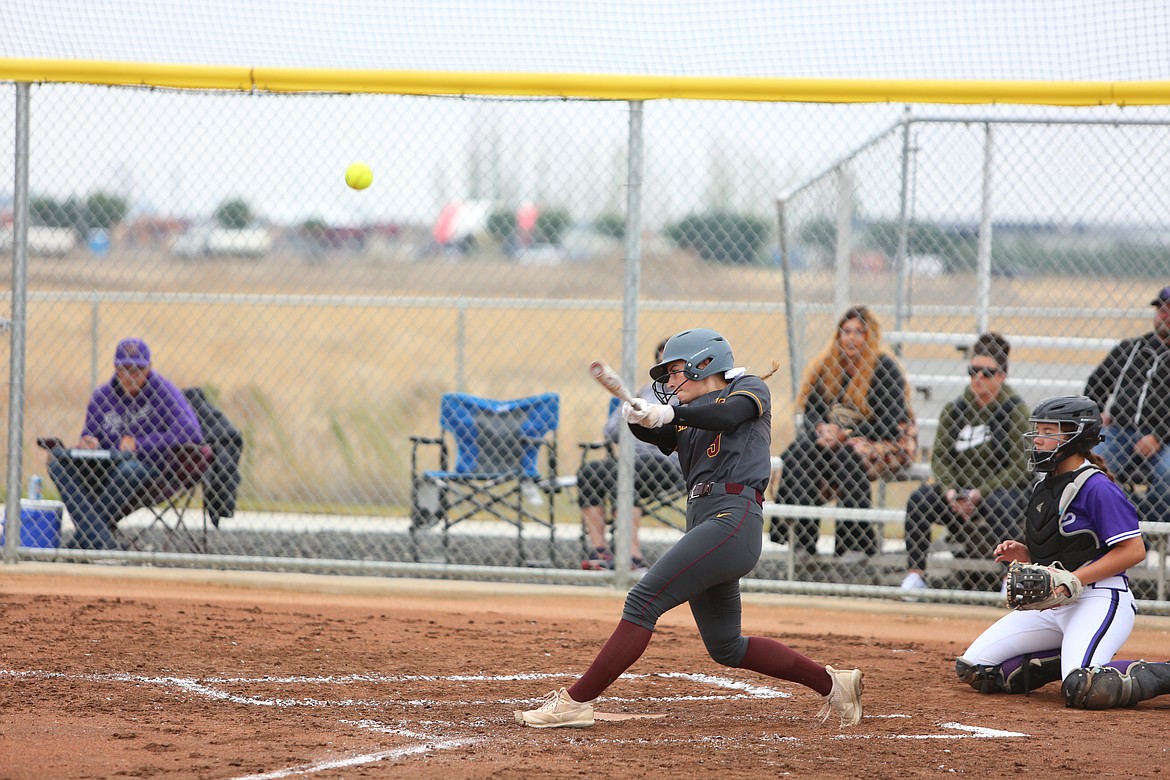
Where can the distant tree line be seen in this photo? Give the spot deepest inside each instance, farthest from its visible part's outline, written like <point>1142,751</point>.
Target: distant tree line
<point>1016,250</point>
<point>97,211</point>
<point>551,226</point>
<point>101,210</point>
<point>721,237</point>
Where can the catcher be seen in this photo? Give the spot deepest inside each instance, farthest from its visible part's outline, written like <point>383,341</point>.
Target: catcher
<point>1072,608</point>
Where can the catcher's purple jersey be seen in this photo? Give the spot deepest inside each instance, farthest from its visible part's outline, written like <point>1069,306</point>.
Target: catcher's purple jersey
<point>1090,630</point>
<point>1101,508</point>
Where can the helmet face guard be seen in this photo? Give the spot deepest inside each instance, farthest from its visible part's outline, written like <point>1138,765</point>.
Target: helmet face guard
<point>704,353</point>
<point>1078,420</point>
<point>1046,461</point>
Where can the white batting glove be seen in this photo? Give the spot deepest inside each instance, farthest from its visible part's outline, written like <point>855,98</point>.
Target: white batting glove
<point>656,416</point>
<point>634,411</point>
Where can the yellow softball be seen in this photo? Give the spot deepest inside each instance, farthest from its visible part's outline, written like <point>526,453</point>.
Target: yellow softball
<point>359,176</point>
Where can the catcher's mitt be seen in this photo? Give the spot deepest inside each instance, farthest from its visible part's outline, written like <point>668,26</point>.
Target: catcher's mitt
<point>1031,586</point>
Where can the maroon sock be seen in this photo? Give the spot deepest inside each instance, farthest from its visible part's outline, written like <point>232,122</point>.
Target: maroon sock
<point>625,645</point>
<point>767,656</point>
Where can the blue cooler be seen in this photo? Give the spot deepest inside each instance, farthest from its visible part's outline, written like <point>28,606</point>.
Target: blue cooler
<point>40,523</point>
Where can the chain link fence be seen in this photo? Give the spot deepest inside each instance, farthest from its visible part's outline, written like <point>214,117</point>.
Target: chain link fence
<point>982,230</point>
<point>406,365</point>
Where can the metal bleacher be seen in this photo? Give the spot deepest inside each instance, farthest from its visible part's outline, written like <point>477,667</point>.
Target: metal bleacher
<point>932,390</point>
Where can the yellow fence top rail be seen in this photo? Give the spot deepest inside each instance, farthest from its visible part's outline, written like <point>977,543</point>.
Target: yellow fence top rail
<point>585,85</point>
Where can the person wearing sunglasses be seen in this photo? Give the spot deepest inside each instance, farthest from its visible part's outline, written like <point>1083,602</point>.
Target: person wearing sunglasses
<point>980,465</point>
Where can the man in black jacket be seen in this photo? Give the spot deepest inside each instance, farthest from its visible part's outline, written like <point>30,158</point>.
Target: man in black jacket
<point>1132,387</point>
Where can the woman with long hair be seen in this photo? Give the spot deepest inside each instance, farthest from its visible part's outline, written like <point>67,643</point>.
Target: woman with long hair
<point>858,426</point>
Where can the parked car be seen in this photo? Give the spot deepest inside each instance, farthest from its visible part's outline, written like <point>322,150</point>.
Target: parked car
<point>214,241</point>
<point>43,241</point>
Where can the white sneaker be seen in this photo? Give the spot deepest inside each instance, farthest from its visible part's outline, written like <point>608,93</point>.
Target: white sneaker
<point>914,581</point>
<point>558,711</point>
<point>845,698</point>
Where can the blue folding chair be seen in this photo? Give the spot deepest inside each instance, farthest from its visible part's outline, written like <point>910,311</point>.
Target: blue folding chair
<point>505,452</point>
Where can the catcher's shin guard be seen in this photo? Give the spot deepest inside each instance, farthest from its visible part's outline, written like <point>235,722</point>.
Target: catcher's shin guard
<point>1103,687</point>
<point>1033,671</point>
<point>1021,674</point>
<point>983,678</point>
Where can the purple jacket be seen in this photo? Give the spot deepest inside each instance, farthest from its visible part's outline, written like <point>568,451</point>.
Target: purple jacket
<point>159,417</point>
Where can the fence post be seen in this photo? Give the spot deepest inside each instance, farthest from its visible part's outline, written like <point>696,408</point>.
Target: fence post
<point>844,240</point>
<point>623,528</point>
<point>789,305</point>
<point>983,303</point>
<point>460,345</point>
<point>95,303</point>
<point>19,327</point>
<point>900,261</point>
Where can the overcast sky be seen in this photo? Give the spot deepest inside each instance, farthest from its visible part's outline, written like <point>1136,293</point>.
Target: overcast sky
<point>988,39</point>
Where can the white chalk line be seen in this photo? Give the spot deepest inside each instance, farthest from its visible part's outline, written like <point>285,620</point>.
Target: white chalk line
<point>358,760</point>
<point>202,687</point>
<point>971,732</point>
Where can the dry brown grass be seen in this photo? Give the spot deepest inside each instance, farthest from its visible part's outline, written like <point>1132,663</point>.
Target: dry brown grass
<point>328,392</point>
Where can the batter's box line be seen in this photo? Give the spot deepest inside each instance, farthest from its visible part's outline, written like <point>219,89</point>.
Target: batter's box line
<point>751,690</point>
<point>359,759</point>
<point>971,732</point>
<point>202,688</point>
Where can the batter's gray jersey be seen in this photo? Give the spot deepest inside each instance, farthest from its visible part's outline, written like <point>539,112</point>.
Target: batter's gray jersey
<point>742,455</point>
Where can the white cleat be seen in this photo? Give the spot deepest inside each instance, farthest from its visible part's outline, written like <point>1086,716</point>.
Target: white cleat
<point>558,711</point>
<point>845,698</point>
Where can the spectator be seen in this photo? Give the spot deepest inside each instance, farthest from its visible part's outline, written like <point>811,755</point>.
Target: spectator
<point>858,426</point>
<point>980,465</point>
<point>654,474</point>
<point>139,416</point>
<point>1132,387</point>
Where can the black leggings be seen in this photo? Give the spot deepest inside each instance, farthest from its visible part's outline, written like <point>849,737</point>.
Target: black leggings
<point>998,517</point>
<point>722,544</point>
<point>811,471</point>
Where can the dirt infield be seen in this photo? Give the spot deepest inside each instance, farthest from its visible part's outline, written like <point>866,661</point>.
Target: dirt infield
<point>122,672</point>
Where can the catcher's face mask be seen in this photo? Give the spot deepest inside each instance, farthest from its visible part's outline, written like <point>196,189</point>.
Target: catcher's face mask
<point>1049,443</point>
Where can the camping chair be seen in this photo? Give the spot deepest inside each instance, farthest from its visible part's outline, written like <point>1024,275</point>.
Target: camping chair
<point>211,468</point>
<point>500,447</point>
<point>171,496</point>
<point>221,481</point>
<point>663,506</point>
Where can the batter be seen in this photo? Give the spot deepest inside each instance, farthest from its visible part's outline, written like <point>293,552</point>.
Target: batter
<point>721,430</point>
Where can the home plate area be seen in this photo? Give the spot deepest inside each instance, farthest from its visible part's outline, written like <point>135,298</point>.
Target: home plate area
<point>412,718</point>
<point>427,721</point>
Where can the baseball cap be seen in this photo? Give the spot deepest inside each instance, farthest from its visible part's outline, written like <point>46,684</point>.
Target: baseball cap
<point>1162,298</point>
<point>132,352</point>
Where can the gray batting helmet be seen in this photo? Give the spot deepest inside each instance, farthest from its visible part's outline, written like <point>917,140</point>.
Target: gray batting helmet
<point>693,347</point>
